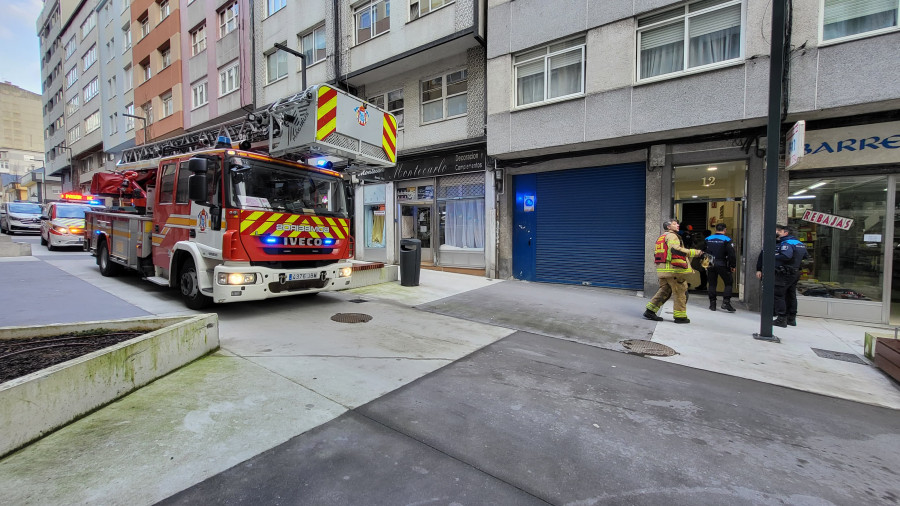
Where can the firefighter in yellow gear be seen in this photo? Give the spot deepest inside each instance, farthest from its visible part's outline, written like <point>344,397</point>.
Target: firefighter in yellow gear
<point>672,267</point>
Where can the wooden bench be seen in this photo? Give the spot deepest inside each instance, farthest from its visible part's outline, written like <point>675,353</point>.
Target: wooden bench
<point>887,356</point>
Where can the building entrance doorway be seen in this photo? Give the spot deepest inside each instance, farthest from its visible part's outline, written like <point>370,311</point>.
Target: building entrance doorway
<point>705,196</point>
<point>416,223</point>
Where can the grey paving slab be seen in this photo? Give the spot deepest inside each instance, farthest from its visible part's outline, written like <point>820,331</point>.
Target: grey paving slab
<point>575,424</point>
<point>35,293</point>
<point>353,460</point>
<point>584,314</point>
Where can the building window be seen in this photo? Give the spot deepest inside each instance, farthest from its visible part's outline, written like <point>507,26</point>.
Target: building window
<point>276,66</point>
<point>445,96</point>
<point>313,45</point>
<point>129,122</point>
<point>419,8</point>
<point>112,86</point>
<point>71,46</point>
<point>166,57</point>
<point>846,18</point>
<point>71,77</point>
<point>91,90</point>
<point>712,28</point>
<point>148,112</point>
<point>92,122</point>
<point>274,6</point>
<point>228,19</point>
<point>145,71</point>
<point>129,78</point>
<point>229,80</point>
<point>88,25</point>
<point>394,104</point>
<point>126,35</point>
<point>198,40</point>
<point>460,201</point>
<point>371,19</point>
<point>198,95</point>
<point>145,25</point>
<point>72,105</point>
<point>163,10</point>
<point>168,105</point>
<point>74,133</point>
<point>90,57</point>
<point>113,128</point>
<point>551,72</point>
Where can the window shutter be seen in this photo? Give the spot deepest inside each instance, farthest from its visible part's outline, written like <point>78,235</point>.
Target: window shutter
<point>662,36</point>
<point>715,21</point>
<point>530,69</point>
<point>565,59</point>
<point>843,10</point>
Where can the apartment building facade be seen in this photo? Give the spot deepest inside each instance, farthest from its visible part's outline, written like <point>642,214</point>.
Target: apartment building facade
<point>116,79</point>
<point>425,63</point>
<point>218,64</point>
<point>54,17</point>
<point>614,117</point>
<point>21,130</point>
<point>81,93</point>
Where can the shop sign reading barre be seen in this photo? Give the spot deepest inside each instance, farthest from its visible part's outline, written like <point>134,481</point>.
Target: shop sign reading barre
<point>827,220</point>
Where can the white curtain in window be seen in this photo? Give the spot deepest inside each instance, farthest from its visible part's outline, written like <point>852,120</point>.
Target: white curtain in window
<point>849,17</point>
<point>530,82</point>
<point>715,36</point>
<point>565,73</point>
<point>662,50</point>
<point>465,224</point>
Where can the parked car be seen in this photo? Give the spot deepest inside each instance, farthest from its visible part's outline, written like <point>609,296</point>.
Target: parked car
<point>22,217</point>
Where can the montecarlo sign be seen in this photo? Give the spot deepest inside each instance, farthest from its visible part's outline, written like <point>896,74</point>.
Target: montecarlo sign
<point>872,144</point>
<point>472,160</point>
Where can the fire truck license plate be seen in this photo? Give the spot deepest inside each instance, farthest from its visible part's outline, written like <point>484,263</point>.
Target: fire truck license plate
<point>303,275</point>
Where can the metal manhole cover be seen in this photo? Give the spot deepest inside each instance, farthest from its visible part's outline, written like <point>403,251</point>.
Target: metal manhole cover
<point>351,318</point>
<point>839,355</point>
<point>644,347</point>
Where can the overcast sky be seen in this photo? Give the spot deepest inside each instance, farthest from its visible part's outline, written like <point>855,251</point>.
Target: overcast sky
<point>20,62</point>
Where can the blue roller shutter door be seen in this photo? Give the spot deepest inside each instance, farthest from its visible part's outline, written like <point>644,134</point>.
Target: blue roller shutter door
<point>590,226</point>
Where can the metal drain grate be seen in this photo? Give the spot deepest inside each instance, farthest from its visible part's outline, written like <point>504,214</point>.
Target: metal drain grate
<point>357,301</point>
<point>839,355</point>
<point>643,347</point>
<point>351,318</point>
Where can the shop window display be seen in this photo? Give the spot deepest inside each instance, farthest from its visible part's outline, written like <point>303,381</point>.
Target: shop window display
<point>374,205</point>
<point>461,207</point>
<point>846,258</point>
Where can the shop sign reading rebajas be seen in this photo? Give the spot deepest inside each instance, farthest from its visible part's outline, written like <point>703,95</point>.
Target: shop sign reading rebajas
<point>431,166</point>
<point>828,220</point>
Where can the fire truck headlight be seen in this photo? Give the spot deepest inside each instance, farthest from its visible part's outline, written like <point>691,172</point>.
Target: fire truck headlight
<point>345,272</point>
<point>236,278</point>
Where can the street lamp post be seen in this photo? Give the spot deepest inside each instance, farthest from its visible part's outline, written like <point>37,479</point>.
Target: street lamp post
<point>142,118</point>
<point>302,57</point>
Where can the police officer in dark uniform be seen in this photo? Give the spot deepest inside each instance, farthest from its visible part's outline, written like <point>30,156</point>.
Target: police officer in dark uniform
<point>789,253</point>
<point>724,261</point>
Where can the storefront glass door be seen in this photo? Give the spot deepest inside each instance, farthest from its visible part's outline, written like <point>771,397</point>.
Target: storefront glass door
<point>415,223</point>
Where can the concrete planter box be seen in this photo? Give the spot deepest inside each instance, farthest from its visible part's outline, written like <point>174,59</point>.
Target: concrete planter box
<point>372,273</point>
<point>34,405</point>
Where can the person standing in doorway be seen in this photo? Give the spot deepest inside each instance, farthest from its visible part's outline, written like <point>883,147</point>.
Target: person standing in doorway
<point>789,254</point>
<point>672,268</point>
<point>723,264</point>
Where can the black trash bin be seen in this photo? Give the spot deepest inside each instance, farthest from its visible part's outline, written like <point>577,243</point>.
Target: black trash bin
<point>410,261</point>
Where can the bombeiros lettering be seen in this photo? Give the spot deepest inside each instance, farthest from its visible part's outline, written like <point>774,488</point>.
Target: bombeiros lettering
<point>300,228</point>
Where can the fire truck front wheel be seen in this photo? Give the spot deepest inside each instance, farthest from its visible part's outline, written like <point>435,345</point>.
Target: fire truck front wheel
<point>190,287</point>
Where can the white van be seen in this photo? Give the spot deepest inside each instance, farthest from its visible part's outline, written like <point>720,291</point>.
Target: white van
<point>22,217</point>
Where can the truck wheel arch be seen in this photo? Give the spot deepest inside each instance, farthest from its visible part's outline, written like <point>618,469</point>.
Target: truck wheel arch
<point>179,255</point>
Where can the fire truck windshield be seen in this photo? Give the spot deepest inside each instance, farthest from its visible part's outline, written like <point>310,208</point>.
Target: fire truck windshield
<point>270,186</point>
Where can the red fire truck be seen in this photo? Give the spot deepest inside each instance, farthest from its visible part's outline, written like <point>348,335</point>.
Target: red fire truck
<point>226,224</point>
